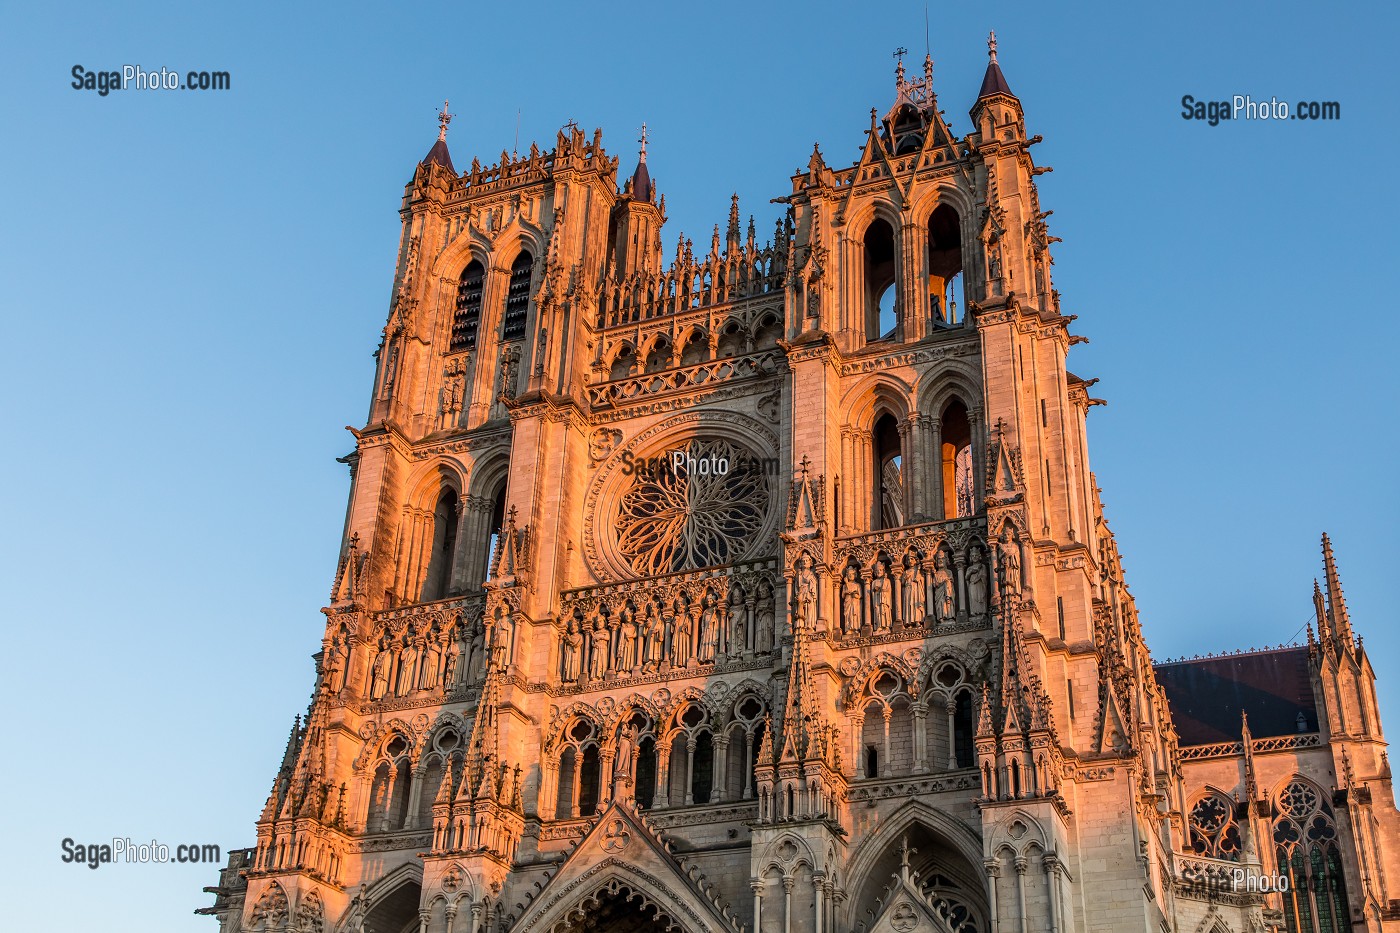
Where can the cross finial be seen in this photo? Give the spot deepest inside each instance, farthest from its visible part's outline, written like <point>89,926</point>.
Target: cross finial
<point>444,118</point>
<point>643,140</point>
<point>992,45</point>
<point>899,54</point>
<point>805,464</point>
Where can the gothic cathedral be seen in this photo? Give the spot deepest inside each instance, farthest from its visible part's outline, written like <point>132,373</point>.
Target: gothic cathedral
<point>765,588</point>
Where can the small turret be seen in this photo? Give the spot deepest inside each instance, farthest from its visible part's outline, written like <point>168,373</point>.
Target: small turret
<point>438,155</point>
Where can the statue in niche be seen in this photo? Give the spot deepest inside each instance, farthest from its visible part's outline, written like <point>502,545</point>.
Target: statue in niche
<point>850,601</point>
<point>430,665</point>
<point>379,674</point>
<point>805,595</point>
<point>627,642</point>
<point>408,660</point>
<point>500,636</point>
<point>765,632</point>
<point>622,759</point>
<point>598,661</point>
<point>476,668</point>
<point>336,665</point>
<point>914,596</point>
<point>681,640</point>
<point>570,659</point>
<point>944,590</point>
<point>880,606</point>
<point>977,585</point>
<point>452,659</point>
<point>1009,563</point>
<point>738,632</point>
<point>655,642</point>
<point>709,629</point>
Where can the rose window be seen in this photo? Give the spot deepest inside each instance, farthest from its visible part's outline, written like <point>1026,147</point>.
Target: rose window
<point>703,509</point>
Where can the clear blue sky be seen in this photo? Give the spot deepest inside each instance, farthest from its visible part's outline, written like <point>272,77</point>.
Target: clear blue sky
<point>194,282</point>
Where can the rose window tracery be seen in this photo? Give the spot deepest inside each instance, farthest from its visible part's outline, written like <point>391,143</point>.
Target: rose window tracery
<point>1214,832</point>
<point>703,509</point>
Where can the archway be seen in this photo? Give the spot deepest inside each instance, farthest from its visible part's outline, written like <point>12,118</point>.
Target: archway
<point>617,908</point>
<point>395,911</point>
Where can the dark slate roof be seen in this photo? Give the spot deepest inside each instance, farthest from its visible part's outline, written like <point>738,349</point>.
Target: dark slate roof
<point>1207,694</point>
<point>641,183</point>
<point>994,82</point>
<point>439,155</point>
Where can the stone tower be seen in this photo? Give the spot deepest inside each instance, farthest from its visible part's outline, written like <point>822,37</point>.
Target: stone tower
<point>766,587</point>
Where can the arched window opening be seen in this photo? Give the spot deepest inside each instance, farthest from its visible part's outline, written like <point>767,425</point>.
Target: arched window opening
<point>446,517</point>
<point>517,297</point>
<point>702,781</point>
<point>398,805</point>
<point>769,330</point>
<point>498,519</point>
<point>568,778</point>
<point>889,461</point>
<point>1305,840</point>
<point>904,133</point>
<point>588,782</point>
<point>433,777</point>
<point>958,487</point>
<point>872,761</point>
<point>622,363</point>
<point>644,785</point>
<point>731,341</point>
<point>696,350</point>
<point>466,318</point>
<point>751,777</point>
<point>660,356</point>
<point>882,310</point>
<point>1213,830</point>
<point>962,729</point>
<point>944,264</point>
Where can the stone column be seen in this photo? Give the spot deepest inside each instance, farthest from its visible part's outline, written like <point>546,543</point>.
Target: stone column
<point>979,455</point>
<point>757,888</point>
<point>910,468</point>
<point>934,436</point>
<point>920,739</point>
<point>818,878</point>
<point>415,794</point>
<point>951,707</point>
<point>1052,888</point>
<point>1021,863</point>
<point>787,903</point>
<point>993,869</point>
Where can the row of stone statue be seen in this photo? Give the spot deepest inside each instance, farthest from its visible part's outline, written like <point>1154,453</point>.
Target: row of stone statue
<point>667,635</point>
<point>399,667</point>
<point>883,596</point>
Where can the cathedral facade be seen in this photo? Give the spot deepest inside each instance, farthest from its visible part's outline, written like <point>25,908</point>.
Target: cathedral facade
<point>764,587</point>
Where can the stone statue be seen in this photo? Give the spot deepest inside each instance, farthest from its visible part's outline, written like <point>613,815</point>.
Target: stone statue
<point>914,596</point>
<point>805,595</point>
<point>681,641</point>
<point>598,662</point>
<point>337,665</point>
<point>880,607</point>
<point>408,660</point>
<point>430,667</point>
<point>477,668</point>
<point>765,632</point>
<point>738,631</point>
<point>709,630</point>
<point>1009,563</point>
<point>379,674</point>
<point>500,636</point>
<point>626,742</point>
<point>850,601</point>
<point>655,642</point>
<point>627,643</point>
<point>944,590</point>
<point>977,585</point>
<point>452,660</point>
<point>570,659</point>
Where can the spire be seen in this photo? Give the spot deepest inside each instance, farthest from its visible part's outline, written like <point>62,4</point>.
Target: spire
<point>642,187</point>
<point>1336,602</point>
<point>993,82</point>
<point>1324,628</point>
<point>733,232</point>
<point>438,155</point>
